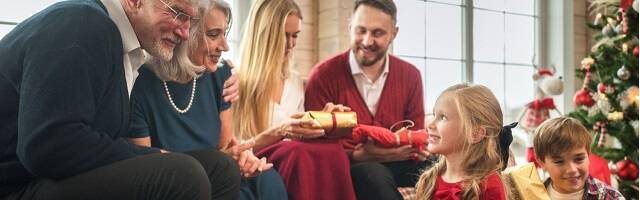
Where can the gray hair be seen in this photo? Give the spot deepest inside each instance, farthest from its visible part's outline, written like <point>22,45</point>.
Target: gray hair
<point>180,68</point>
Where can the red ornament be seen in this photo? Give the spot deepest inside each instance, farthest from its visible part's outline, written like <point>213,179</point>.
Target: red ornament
<point>602,88</point>
<point>627,170</point>
<point>583,97</point>
<point>635,51</point>
<point>625,4</point>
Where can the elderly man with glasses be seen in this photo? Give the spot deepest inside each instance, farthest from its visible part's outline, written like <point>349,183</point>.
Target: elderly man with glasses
<point>66,74</point>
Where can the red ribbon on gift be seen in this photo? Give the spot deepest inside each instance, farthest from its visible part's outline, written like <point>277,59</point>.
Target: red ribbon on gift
<point>335,122</point>
<point>544,103</point>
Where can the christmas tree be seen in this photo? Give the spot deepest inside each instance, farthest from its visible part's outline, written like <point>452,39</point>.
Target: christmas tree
<point>608,99</point>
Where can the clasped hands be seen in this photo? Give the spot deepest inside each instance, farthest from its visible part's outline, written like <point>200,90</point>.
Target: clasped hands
<point>249,164</point>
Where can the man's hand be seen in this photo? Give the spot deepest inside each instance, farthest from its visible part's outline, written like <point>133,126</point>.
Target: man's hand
<point>230,92</point>
<point>368,151</point>
<point>330,107</point>
<point>423,154</point>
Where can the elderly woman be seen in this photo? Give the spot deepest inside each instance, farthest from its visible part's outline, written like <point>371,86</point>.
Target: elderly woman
<point>178,105</point>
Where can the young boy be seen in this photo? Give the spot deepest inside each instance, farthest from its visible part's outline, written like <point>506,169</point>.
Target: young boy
<point>562,147</point>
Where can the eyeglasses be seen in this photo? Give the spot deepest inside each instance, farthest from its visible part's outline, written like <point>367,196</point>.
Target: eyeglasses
<point>180,17</point>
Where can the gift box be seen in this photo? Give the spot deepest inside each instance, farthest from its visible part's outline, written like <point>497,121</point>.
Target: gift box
<point>387,139</point>
<point>335,124</point>
<point>526,184</point>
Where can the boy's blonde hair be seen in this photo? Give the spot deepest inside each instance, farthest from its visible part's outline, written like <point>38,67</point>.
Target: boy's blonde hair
<point>560,134</point>
<point>262,64</point>
<point>478,109</point>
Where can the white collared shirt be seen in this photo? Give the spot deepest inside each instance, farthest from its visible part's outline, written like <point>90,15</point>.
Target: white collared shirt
<point>291,101</point>
<point>369,90</point>
<point>133,56</point>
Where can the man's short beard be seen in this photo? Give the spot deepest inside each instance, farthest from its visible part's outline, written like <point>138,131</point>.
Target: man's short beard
<point>366,63</point>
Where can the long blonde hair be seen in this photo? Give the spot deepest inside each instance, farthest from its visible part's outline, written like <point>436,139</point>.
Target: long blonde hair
<point>262,64</point>
<point>478,108</point>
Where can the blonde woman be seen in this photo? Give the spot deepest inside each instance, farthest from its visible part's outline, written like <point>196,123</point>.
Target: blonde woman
<point>270,93</point>
<point>465,133</point>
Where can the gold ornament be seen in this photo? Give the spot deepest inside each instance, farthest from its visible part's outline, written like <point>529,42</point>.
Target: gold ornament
<point>632,95</point>
<point>615,116</point>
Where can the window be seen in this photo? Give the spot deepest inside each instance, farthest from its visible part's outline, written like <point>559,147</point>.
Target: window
<point>493,47</point>
<point>17,11</point>
<point>232,37</point>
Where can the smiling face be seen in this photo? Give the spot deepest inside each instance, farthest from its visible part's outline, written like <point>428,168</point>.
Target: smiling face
<point>445,134</point>
<point>213,41</point>
<point>372,32</point>
<point>568,171</point>
<point>292,29</point>
<point>158,28</point>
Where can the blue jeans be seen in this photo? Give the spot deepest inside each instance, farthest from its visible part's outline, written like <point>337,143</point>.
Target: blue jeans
<point>266,186</point>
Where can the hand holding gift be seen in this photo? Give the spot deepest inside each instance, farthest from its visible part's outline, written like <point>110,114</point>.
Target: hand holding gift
<point>297,127</point>
<point>335,124</point>
<point>387,139</point>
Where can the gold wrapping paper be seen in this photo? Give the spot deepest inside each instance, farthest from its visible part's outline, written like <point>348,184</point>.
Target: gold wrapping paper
<point>345,121</point>
<point>527,184</point>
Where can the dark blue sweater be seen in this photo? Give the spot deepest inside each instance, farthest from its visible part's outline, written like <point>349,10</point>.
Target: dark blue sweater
<point>63,96</point>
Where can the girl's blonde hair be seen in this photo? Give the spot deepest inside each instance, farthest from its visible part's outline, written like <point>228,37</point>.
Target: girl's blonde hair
<point>478,109</point>
<point>262,64</point>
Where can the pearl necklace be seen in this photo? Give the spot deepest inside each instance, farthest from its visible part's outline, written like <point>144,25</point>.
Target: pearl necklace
<point>193,93</point>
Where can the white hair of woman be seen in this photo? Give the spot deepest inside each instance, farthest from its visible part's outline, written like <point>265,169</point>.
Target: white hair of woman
<point>180,68</point>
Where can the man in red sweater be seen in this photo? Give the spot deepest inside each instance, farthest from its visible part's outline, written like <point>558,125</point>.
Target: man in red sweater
<point>382,90</point>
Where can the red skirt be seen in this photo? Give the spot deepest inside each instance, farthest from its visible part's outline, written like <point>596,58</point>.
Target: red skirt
<point>314,169</point>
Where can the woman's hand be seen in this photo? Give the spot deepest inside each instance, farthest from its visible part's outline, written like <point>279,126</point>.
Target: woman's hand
<point>250,165</point>
<point>294,128</point>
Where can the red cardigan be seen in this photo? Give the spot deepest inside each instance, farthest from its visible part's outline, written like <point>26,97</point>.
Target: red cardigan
<point>402,97</point>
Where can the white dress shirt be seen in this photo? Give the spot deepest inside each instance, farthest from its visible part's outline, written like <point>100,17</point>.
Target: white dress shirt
<point>369,90</point>
<point>291,101</point>
<point>133,56</point>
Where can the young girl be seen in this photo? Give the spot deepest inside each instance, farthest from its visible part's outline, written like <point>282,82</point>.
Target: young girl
<point>465,131</point>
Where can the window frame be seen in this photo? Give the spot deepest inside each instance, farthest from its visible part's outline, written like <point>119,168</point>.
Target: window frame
<point>468,60</point>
